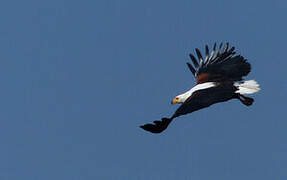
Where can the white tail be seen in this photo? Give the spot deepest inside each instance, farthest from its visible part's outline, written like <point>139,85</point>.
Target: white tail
<point>247,87</point>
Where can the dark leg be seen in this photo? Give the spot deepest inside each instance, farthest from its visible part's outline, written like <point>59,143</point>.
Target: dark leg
<point>245,100</point>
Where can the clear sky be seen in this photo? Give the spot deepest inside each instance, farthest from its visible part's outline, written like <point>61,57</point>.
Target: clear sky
<point>79,77</point>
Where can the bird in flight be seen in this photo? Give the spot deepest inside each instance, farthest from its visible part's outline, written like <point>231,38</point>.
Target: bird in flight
<point>219,78</point>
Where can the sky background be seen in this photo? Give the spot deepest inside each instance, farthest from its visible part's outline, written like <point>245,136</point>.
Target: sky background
<point>79,77</point>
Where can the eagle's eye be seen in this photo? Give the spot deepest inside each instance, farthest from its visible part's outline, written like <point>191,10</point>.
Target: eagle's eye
<point>175,100</point>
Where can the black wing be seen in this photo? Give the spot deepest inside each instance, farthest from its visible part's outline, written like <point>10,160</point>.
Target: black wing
<point>219,65</point>
<point>198,100</point>
<point>193,103</point>
<point>158,126</point>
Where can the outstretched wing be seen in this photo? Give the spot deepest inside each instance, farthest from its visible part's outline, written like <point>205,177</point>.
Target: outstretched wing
<point>219,65</point>
<point>196,101</point>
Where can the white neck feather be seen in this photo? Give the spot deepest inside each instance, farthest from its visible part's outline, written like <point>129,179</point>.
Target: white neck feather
<point>184,96</point>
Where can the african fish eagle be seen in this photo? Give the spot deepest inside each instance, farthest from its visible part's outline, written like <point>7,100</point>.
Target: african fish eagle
<point>219,77</point>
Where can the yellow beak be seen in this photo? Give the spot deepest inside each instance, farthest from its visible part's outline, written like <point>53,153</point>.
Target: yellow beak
<point>174,101</point>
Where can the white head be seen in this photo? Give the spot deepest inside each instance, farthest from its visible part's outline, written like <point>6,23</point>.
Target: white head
<point>182,97</point>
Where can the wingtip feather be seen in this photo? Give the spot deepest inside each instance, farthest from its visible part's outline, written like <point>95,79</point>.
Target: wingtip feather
<point>191,68</point>
<point>194,60</point>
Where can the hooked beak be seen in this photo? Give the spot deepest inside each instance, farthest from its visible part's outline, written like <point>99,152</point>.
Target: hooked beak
<point>174,101</point>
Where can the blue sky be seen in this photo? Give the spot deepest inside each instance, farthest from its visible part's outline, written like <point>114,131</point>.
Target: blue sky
<point>79,77</point>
